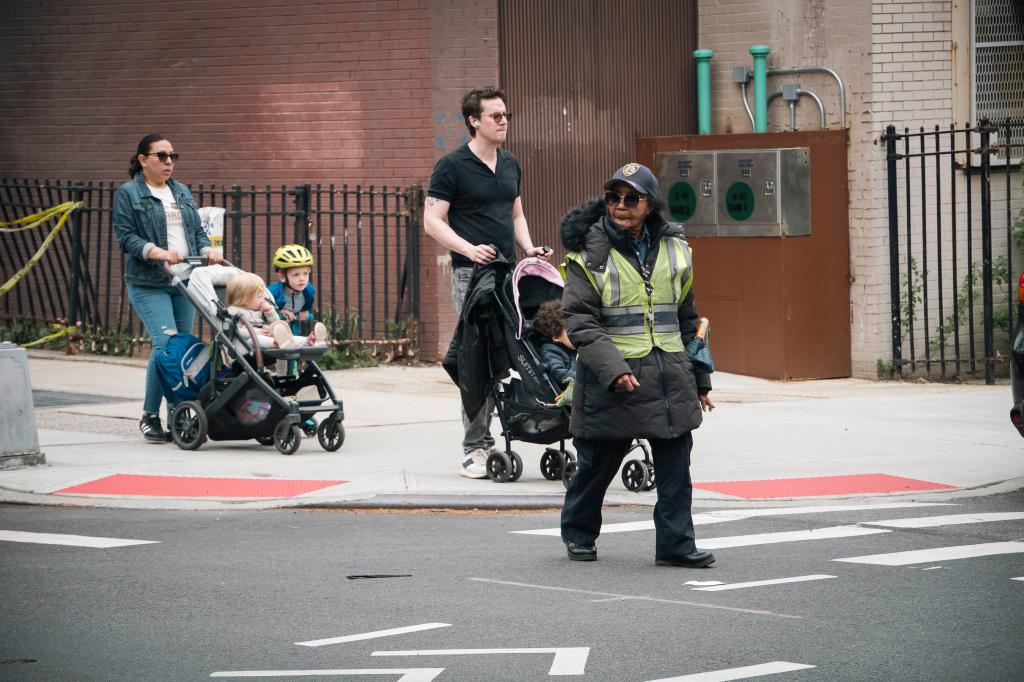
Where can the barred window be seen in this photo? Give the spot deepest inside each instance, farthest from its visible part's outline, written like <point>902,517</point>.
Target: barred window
<point>997,66</point>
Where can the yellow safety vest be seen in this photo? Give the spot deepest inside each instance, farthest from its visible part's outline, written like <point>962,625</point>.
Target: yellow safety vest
<point>636,317</point>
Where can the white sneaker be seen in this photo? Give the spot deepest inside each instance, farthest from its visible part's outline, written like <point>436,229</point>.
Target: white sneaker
<point>319,335</point>
<point>474,464</point>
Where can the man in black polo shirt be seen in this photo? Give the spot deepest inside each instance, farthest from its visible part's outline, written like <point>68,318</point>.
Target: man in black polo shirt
<point>474,201</point>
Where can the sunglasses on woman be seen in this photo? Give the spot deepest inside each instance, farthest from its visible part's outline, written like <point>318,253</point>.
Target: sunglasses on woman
<point>631,200</point>
<point>163,156</point>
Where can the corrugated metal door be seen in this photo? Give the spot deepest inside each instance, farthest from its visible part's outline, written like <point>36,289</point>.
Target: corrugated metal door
<point>585,79</point>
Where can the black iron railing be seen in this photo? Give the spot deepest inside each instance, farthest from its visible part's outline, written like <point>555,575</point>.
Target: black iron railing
<point>946,246</point>
<point>365,242</point>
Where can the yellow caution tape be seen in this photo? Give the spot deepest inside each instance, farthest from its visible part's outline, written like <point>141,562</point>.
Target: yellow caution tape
<point>61,331</point>
<point>36,219</point>
<point>67,208</point>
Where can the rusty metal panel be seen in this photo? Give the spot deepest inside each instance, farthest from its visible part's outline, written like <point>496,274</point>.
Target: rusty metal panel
<point>585,79</point>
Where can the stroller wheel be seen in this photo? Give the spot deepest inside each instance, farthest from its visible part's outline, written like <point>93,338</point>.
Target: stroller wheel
<point>331,433</point>
<point>309,427</point>
<point>499,467</point>
<point>265,440</point>
<point>651,484</point>
<point>551,465</point>
<point>188,425</point>
<point>517,467</point>
<point>287,437</point>
<point>634,475</point>
<point>568,466</point>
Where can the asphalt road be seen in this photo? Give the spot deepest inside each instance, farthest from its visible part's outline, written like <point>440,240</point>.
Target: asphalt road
<point>216,594</point>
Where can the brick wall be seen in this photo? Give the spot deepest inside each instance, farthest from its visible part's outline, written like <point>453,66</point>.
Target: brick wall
<point>255,91</point>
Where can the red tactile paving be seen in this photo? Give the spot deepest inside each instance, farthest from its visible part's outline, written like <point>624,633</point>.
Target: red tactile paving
<point>188,486</point>
<point>820,485</point>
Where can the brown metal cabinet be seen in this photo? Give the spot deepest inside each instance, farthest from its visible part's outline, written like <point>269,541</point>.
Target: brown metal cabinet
<point>767,219</point>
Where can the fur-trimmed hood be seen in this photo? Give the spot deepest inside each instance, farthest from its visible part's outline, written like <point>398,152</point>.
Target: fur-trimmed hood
<point>586,229</point>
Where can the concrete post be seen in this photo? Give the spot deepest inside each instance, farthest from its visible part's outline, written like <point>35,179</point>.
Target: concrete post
<point>19,442</point>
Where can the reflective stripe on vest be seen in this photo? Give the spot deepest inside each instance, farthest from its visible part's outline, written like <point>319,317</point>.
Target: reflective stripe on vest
<point>634,320</point>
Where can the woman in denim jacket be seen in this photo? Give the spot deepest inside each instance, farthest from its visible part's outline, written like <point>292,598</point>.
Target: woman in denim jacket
<point>157,222</point>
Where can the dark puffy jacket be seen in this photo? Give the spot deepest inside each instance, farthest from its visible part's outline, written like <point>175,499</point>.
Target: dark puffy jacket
<point>140,223</point>
<point>665,405</point>
<point>560,361</point>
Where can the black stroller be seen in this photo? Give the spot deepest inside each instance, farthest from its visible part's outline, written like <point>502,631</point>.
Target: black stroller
<point>243,400</point>
<point>526,403</point>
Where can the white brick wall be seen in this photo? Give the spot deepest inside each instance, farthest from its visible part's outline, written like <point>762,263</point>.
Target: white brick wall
<point>896,61</point>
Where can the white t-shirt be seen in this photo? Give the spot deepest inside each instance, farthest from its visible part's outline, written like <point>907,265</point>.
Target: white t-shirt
<point>176,240</point>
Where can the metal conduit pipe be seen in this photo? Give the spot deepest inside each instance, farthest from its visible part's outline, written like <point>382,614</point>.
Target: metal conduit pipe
<point>794,71</point>
<point>801,92</point>
<point>740,76</point>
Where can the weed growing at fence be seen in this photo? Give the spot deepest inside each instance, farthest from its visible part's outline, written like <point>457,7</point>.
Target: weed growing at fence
<point>22,330</point>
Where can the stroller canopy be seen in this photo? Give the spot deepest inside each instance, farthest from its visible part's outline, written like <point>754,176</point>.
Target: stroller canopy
<point>534,281</point>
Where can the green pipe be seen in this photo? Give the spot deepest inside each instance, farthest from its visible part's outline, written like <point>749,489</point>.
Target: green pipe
<point>760,53</point>
<point>703,58</point>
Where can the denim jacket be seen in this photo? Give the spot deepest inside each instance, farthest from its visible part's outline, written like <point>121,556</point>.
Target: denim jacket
<point>140,224</point>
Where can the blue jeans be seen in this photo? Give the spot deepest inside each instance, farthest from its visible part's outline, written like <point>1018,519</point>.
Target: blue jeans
<point>164,311</point>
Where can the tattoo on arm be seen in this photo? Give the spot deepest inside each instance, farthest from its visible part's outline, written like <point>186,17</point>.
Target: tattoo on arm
<point>431,201</point>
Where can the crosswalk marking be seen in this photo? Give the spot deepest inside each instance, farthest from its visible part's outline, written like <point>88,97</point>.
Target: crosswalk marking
<point>744,673</point>
<point>946,520</point>
<point>373,635</point>
<point>788,536</point>
<point>407,674</point>
<point>724,515</point>
<point>923,556</point>
<point>69,540</point>
<point>761,583</point>
<point>568,660</point>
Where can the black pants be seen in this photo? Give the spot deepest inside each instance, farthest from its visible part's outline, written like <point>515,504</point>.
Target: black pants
<point>598,463</point>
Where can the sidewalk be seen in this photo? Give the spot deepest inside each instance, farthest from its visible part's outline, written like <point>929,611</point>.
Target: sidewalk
<point>766,441</point>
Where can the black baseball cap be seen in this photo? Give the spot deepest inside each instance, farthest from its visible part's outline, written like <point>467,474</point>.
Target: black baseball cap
<point>637,176</point>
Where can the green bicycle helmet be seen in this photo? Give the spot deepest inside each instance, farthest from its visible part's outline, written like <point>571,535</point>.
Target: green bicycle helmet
<point>292,256</point>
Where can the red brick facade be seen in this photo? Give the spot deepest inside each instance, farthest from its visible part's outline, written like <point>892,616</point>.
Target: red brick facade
<point>254,91</point>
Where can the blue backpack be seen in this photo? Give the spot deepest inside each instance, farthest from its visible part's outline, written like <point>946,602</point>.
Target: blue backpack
<point>183,367</point>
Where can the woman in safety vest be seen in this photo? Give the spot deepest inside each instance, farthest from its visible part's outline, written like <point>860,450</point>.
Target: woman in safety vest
<point>629,311</point>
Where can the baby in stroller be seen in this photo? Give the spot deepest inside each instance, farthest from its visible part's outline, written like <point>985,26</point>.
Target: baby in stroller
<point>247,297</point>
<point>556,350</point>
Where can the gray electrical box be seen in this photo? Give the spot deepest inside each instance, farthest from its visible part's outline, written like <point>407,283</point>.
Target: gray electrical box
<point>756,193</point>
<point>686,183</point>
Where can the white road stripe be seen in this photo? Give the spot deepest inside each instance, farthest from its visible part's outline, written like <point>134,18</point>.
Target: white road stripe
<point>724,515</point>
<point>760,583</point>
<point>740,673</point>
<point>407,674</point>
<point>1020,578</point>
<point>947,520</point>
<point>924,556</point>
<point>375,634</point>
<point>70,540</point>
<point>656,600</point>
<point>569,660</point>
<point>788,536</point>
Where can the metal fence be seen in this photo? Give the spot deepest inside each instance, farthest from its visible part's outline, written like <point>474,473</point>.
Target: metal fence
<point>365,242</point>
<point>956,219</point>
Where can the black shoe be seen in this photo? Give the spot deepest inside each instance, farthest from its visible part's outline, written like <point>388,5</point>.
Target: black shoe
<point>151,428</point>
<point>692,560</point>
<point>580,552</point>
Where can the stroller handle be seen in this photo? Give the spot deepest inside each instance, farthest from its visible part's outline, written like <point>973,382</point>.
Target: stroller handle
<point>196,262</point>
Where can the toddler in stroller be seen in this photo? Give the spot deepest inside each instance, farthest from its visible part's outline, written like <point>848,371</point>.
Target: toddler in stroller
<point>242,399</point>
<point>535,406</point>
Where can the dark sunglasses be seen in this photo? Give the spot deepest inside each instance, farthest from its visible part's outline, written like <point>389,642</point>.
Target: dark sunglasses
<point>631,200</point>
<point>163,156</point>
<point>497,116</point>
